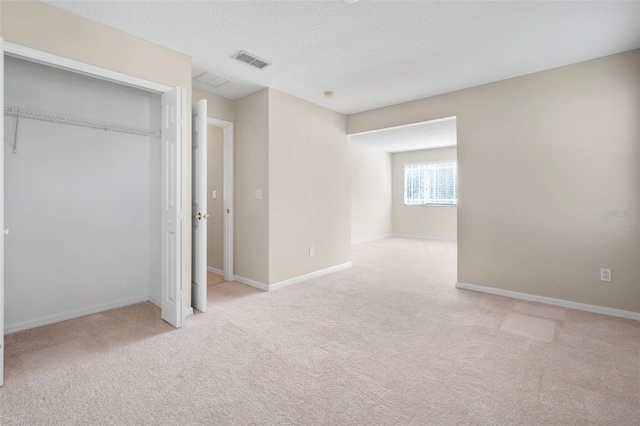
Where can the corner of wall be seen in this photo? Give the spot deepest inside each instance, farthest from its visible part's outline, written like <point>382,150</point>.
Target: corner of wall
<point>371,193</point>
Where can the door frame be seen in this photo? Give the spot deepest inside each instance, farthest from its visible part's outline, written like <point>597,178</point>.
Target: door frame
<point>227,200</point>
<point>49,59</point>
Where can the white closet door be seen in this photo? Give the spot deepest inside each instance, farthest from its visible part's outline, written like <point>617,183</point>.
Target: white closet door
<point>2,218</point>
<point>199,206</point>
<point>172,284</point>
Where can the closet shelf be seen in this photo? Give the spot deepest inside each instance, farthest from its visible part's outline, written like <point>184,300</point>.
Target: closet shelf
<point>32,114</point>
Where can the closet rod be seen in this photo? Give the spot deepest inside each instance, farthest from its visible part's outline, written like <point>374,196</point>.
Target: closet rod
<point>32,114</point>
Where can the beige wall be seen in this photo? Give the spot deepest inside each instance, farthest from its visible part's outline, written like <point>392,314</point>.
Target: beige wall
<point>215,164</point>
<point>49,29</point>
<point>541,157</point>
<point>43,27</point>
<point>217,106</point>
<point>251,221</point>
<point>370,193</point>
<point>308,186</point>
<point>436,222</point>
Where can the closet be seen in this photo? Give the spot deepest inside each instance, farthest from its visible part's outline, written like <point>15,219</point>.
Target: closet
<point>82,170</point>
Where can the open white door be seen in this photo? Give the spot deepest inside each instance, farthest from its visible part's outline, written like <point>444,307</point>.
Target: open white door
<point>172,285</point>
<point>199,206</point>
<point>4,231</point>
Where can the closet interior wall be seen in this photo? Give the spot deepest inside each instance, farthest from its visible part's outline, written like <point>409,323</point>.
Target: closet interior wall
<point>82,204</point>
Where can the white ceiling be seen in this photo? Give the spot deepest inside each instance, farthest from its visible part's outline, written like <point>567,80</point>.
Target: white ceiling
<point>373,53</point>
<point>414,137</point>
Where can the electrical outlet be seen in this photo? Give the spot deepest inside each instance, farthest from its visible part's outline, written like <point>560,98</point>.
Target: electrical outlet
<point>311,251</point>
<point>214,195</point>
<point>605,274</point>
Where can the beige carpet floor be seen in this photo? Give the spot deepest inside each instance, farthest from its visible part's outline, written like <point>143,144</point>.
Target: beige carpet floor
<point>388,342</point>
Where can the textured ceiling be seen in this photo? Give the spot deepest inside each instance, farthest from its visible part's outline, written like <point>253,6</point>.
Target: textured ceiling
<point>373,53</point>
<point>428,135</point>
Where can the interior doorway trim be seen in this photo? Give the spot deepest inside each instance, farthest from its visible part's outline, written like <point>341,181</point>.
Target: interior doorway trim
<point>227,201</point>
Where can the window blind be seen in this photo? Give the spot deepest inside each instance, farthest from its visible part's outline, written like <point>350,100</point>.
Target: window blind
<point>431,183</point>
<point>442,183</point>
<point>415,181</point>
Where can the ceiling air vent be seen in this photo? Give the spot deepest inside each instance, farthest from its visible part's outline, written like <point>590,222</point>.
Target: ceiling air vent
<point>252,60</point>
<point>211,79</point>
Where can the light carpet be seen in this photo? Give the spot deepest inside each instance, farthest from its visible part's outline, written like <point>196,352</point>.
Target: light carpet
<point>387,342</point>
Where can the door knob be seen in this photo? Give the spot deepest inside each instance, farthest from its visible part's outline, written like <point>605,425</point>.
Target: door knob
<point>201,216</point>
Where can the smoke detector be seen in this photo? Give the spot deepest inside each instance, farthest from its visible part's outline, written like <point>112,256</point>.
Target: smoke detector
<point>211,79</point>
<point>251,59</point>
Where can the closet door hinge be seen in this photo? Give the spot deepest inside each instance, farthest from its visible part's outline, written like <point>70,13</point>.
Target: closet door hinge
<point>181,214</point>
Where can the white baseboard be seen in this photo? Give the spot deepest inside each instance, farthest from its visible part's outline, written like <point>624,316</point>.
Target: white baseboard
<point>551,301</point>
<point>51,319</point>
<point>366,240</point>
<point>295,280</point>
<point>215,270</point>
<point>155,302</point>
<point>189,310</point>
<point>420,237</point>
<point>252,283</point>
<point>306,277</point>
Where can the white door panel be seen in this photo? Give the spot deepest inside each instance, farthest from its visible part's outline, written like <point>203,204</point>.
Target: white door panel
<point>199,206</point>
<point>172,289</point>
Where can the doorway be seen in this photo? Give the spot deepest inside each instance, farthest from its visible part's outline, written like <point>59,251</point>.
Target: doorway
<point>227,197</point>
<point>212,202</point>
<point>215,193</point>
<point>404,182</point>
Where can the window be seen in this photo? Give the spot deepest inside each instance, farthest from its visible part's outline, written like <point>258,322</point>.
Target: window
<point>415,183</point>
<point>432,183</point>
